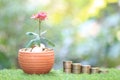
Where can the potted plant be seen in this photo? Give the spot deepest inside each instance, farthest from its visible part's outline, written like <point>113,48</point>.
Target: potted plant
<point>36,58</point>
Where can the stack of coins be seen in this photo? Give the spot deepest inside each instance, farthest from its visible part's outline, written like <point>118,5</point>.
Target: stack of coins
<point>103,71</point>
<point>76,68</point>
<point>67,66</point>
<point>86,69</point>
<point>95,70</point>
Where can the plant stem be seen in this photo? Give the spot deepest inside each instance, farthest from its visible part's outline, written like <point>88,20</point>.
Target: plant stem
<point>39,29</point>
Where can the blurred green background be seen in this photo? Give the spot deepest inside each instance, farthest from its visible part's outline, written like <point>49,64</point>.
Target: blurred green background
<point>85,31</point>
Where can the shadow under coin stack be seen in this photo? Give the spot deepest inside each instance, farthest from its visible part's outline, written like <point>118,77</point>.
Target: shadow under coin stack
<point>76,68</point>
<point>67,66</point>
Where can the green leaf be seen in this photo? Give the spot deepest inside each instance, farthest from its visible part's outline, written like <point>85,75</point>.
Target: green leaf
<point>33,41</point>
<point>37,41</point>
<point>42,33</point>
<point>29,43</point>
<point>47,41</point>
<point>32,33</point>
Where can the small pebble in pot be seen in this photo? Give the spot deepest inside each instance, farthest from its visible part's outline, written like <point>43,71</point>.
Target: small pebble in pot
<point>42,46</point>
<point>28,49</point>
<point>37,49</point>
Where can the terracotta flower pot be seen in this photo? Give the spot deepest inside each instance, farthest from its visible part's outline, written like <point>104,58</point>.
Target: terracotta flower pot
<point>36,63</point>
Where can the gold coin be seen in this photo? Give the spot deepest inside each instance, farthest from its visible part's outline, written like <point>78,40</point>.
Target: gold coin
<point>76,66</point>
<point>67,70</point>
<point>67,64</point>
<point>86,69</point>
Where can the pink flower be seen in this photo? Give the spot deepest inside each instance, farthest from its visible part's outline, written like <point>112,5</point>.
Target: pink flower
<point>41,16</point>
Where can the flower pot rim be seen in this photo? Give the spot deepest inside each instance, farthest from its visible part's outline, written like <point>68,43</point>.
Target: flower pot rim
<point>43,52</point>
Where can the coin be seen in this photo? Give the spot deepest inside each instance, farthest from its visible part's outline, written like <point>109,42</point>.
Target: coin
<point>86,69</point>
<point>67,64</point>
<point>76,71</point>
<point>76,66</point>
<point>67,70</point>
<point>95,70</point>
<point>103,71</point>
